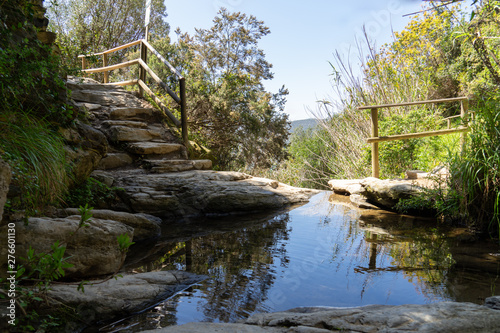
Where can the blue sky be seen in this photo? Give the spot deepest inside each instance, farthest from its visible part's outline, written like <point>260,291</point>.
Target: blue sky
<point>304,36</point>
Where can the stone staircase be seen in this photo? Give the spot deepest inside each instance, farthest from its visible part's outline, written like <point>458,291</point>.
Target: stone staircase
<point>135,130</point>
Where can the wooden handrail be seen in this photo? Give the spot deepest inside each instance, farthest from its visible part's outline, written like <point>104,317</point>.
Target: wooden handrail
<point>162,59</point>
<point>144,68</point>
<point>375,139</point>
<point>444,100</point>
<point>118,48</point>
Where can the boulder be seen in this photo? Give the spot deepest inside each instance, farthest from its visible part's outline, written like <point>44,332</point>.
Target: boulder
<point>201,192</point>
<point>93,250</point>
<point>386,192</point>
<point>124,295</point>
<point>145,226</point>
<point>346,186</point>
<point>115,160</point>
<point>436,317</point>
<point>5,177</point>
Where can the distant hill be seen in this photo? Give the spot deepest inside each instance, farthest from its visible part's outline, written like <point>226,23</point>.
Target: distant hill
<point>304,123</point>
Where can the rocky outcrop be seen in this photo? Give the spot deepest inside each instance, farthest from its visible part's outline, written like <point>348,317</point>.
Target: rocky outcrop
<point>374,193</point>
<point>123,295</point>
<point>93,249</point>
<point>145,226</point>
<point>5,177</point>
<point>437,317</point>
<point>203,192</point>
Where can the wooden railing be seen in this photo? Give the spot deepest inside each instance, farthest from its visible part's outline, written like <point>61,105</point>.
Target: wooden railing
<point>141,81</point>
<point>375,139</point>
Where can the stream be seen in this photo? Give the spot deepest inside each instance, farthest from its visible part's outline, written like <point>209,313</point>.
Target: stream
<point>323,253</point>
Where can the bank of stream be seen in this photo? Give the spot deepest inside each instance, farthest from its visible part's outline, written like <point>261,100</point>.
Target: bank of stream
<point>324,253</point>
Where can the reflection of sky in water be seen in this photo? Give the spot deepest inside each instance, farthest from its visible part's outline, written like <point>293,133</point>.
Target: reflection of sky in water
<point>314,255</point>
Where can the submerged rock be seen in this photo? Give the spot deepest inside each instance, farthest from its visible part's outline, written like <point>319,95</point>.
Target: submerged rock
<point>437,317</point>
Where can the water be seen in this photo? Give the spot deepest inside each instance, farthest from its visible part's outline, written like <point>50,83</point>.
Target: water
<point>319,254</point>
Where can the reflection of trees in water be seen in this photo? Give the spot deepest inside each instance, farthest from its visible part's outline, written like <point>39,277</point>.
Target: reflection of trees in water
<point>422,255</point>
<point>240,265</point>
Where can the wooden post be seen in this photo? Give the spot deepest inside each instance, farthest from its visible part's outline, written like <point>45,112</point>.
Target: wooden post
<point>84,64</point>
<point>184,125</point>
<point>142,71</point>
<point>375,163</point>
<point>104,64</point>
<point>464,108</point>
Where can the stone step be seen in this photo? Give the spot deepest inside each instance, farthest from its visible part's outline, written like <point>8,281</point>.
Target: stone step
<point>106,98</point>
<point>125,123</point>
<point>155,148</point>
<point>130,134</point>
<point>161,166</point>
<point>114,161</point>
<point>132,113</point>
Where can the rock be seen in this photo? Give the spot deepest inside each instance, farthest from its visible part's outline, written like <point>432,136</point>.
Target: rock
<point>5,177</point>
<point>83,162</point>
<point>115,160</point>
<point>132,113</point>
<point>493,302</point>
<point>416,174</point>
<point>145,226</point>
<point>154,148</point>
<point>126,123</point>
<point>204,192</point>
<point>93,250</point>
<point>131,134</point>
<point>92,139</point>
<point>345,186</point>
<point>216,328</point>
<point>123,296</point>
<point>161,166</point>
<point>436,317</point>
<point>102,97</point>
<point>387,193</point>
<point>361,202</point>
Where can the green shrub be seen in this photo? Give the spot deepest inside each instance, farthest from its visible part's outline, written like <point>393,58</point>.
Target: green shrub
<point>93,193</point>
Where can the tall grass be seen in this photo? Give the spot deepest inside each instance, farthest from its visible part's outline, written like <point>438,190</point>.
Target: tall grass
<point>475,181</point>
<point>37,158</point>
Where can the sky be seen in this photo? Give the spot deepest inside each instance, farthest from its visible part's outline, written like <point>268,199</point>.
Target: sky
<point>304,37</point>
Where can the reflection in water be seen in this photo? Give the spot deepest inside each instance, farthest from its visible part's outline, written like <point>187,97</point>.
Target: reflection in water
<point>319,254</point>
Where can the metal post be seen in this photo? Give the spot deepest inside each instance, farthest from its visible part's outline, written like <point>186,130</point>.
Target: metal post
<point>184,125</point>
<point>375,163</point>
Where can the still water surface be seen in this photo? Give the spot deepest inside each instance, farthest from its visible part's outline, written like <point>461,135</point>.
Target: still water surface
<point>319,254</point>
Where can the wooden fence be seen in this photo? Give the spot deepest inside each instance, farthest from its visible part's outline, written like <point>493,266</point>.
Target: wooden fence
<point>375,139</point>
<point>141,81</point>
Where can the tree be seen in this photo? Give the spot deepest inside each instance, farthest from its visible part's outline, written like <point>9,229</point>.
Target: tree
<point>229,109</point>
<point>96,25</point>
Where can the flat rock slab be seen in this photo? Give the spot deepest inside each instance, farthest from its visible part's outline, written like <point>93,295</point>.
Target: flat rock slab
<point>124,295</point>
<point>154,148</point>
<point>437,317</point>
<point>131,113</point>
<point>346,186</point>
<point>200,192</point>
<point>145,226</point>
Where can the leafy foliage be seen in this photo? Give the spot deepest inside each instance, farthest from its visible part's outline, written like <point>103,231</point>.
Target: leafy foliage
<point>92,26</point>
<point>229,110</point>
<point>91,192</point>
